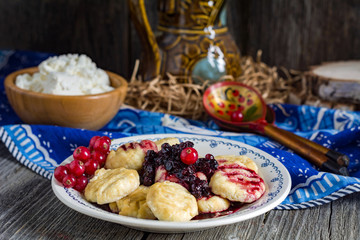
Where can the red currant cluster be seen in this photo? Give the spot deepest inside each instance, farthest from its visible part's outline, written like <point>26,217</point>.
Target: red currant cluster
<point>86,161</point>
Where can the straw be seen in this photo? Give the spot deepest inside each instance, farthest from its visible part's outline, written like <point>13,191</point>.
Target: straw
<point>178,95</point>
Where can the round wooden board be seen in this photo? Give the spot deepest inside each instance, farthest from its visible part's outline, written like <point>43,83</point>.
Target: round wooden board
<point>336,81</point>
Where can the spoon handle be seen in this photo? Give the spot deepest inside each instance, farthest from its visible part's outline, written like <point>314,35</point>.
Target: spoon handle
<point>341,159</point>
<point>314,155</point>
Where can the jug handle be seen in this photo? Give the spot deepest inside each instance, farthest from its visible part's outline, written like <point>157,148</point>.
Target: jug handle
<point>151,59</point>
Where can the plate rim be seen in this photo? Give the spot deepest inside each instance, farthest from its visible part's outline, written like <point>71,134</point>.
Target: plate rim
<point>177,227</point>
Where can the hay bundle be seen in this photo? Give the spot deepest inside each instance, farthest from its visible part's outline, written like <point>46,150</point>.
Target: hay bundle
<point>185,99</point>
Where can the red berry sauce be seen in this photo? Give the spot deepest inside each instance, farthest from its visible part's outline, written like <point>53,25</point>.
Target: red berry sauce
<point>234,207</point>
<point>145,145</point>
<point>244,176</point>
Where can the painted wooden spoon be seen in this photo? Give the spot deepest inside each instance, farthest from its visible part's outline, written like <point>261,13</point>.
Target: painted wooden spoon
<point>237,107</point>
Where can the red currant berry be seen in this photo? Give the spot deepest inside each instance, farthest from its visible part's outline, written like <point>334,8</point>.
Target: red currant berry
<point>69,181</point>
<point>81,153</point>
<point>77,168</point>
<point>60,172</point>
<point>81,183</point>
<point>91,166</point>
<point>101,145</point>
<point>189,155</point>
<point>237,116</point>
<point>209,156</point>
<point>92,141</point>
<point>99,157</point>
<point>108,140</point>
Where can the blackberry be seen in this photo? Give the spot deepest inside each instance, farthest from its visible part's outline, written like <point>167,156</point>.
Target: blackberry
<point>169,157</point>
<point>206,166</point>
<point>199,188</point>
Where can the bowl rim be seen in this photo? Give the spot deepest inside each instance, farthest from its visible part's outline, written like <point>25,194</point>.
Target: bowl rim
<point>9,83</point>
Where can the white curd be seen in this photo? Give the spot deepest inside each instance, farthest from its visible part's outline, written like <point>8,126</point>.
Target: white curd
<point>69,74</point>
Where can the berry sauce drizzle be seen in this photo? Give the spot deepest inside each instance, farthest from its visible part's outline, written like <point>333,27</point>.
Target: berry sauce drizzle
<point>145,145</point>
<point>131,145</point>
<point>243,175</point>
<point>234,207</point>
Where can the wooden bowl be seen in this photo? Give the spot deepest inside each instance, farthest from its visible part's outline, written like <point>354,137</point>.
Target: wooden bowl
<point>87,111</point>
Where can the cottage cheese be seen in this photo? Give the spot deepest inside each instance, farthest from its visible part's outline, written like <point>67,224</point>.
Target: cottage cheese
<point>69,74</point>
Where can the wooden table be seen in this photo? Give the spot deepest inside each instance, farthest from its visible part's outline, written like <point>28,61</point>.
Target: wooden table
<point>30,210</point>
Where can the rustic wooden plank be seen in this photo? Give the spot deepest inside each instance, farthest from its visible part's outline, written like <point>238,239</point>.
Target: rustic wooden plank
<point>30,210</point>
<point>299,33</point>
<point>345,218</point>
<point>96,28</point>
<point>294,34</point>
<point>295,226</point>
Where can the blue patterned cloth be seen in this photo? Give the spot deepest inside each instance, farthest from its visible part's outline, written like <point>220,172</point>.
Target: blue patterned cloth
<point>42,148</point>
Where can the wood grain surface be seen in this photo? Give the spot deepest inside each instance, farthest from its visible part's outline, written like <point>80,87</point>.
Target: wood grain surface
<point>30,210</point>
<point>295,34</point>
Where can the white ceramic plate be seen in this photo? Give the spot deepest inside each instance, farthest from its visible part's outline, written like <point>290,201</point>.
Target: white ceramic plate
<point>275,175</point>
